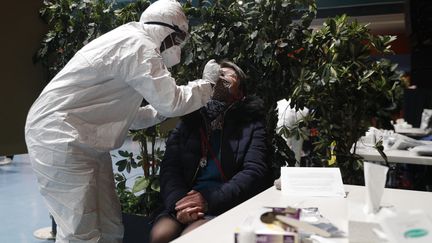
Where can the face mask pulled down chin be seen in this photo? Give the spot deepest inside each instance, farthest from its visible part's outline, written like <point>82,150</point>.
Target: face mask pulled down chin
<point>171,56</point>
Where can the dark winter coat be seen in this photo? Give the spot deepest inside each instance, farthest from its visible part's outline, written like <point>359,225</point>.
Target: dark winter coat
<point>243,158</point>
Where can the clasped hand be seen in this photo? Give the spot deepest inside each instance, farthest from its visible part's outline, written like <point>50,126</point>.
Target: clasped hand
<point>191,207</point>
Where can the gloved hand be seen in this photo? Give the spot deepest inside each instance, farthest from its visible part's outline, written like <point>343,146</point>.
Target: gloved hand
<point>221,90</point>
<point>211,71</point>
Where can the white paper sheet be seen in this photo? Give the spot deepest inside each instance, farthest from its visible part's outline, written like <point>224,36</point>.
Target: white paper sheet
<point>312,182</point>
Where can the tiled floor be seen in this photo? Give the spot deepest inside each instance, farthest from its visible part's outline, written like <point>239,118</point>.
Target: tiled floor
<point>22,209</point>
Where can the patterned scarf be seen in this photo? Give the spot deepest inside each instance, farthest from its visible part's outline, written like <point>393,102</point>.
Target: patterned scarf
<point>213,113</point>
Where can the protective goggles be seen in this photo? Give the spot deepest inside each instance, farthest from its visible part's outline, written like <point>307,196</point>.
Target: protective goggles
<point>178,37</point>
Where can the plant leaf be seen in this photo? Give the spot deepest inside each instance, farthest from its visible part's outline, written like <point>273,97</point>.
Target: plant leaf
<point>155,186</point>
<point>121,165</point>
<point>141,183</point>
<point>123,153</point>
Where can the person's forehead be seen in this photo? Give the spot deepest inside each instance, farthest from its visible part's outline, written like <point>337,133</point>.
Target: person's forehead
<point>228,70</point>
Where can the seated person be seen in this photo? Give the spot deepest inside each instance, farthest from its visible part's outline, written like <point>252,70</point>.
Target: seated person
<point>215,159</point>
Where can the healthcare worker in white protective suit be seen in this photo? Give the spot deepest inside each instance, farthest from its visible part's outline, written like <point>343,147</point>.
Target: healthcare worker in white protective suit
<point>87,109</point>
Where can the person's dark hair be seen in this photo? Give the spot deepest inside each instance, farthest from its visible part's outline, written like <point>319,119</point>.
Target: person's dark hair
<point>240,74</point>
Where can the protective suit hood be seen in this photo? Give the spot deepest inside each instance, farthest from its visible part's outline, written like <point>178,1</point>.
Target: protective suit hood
<point>165,11</point>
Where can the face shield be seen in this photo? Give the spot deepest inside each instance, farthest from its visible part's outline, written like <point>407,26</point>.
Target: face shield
<point>178,37</point>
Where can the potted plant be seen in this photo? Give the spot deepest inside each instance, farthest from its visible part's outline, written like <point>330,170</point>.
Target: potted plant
<point>140,202</point>
<point>346,89</point>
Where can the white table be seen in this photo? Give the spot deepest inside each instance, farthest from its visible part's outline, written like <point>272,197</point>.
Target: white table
<point>337,210</point>
<point>395,199</point>
<point>395,156</point>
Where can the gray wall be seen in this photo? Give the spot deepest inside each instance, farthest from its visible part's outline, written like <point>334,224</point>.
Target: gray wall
<point>21,81</point>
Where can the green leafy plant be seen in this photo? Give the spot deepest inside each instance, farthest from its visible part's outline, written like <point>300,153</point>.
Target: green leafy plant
<point>143,197</point>
<point>74,23</point>
<point>256,35</point>
<point>71,25</point>
<point>345,90</point>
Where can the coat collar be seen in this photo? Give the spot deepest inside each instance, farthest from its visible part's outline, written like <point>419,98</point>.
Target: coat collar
<point>247,110</point>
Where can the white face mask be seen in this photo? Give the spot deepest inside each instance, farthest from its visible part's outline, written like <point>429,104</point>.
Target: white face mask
<point>171,56</point>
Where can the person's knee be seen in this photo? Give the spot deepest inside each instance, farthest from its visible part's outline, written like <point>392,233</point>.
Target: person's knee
<point>160,237</point>
<point>165,230</point>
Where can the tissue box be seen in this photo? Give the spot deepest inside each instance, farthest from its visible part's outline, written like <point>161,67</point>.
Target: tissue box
<point>255,231</point>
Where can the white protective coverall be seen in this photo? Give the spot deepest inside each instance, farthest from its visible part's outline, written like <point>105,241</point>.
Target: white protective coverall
<point>86,111</point>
